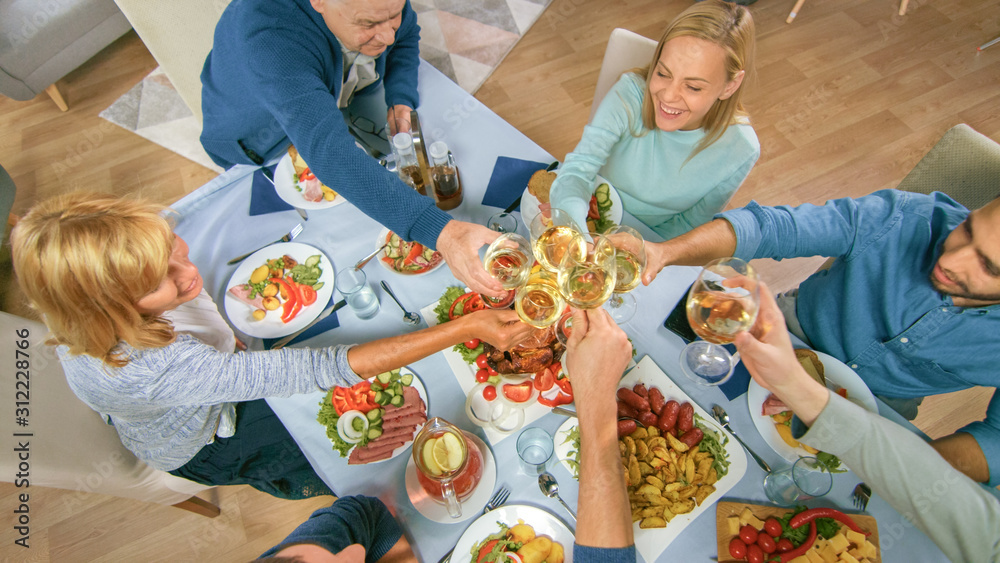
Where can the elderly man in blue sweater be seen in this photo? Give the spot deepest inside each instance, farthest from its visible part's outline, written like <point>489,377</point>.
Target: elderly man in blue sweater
<point>284,71</point>
<point>912,303</point>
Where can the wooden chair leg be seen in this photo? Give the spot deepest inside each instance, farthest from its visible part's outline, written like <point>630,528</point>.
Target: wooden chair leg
<point>902,7</point>
<point>57,97</point>
<point>795,10</point>
<point>200,506</point>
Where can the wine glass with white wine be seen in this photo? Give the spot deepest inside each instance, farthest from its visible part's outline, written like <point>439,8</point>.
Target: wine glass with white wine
<point>630,263</point>
<point>538,302</point>
<point>554,237</point>
<point>723,301</point>
<point>587,280</point>
<point>508,259</point>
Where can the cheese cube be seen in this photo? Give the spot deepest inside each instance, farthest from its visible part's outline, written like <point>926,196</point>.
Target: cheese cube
<point>813,556</point>
<point>870,550</point>
<point>847,558</point>
<point>855,538</point>
<point>747,517</point>
<point>839,543</point>
<point>828,553</point>
<point>734,525</point>
<point>857,553</point>
<point>800,559</point>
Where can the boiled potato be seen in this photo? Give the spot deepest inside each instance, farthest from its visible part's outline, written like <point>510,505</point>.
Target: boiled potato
<point>522,533</point>
<point>536,550</point>
<point>260,274</point>
<point>270,290</point>
<point>556,555</point>
<point>271,303</point>
<point>259,314</point>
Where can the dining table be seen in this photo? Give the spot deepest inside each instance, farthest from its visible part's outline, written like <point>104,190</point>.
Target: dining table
<point>215,221</point>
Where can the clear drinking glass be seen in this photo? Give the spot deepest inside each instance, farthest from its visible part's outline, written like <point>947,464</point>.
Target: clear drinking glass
<point>630,263</point>
<point>807,478</point>
<point>722,302</point>
<point>502,223</point>
<point>534,450</point>
<point>353,285</point>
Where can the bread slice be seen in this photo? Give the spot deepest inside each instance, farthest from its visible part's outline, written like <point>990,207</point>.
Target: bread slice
<point>811,363</point>
<point>297,162</point>
<point>540,184</point>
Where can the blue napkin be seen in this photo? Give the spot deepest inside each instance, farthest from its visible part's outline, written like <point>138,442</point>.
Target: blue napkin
<point>510,178</point>
<point>739,381</point>
<point>263,198</point>
<point>329,323</point>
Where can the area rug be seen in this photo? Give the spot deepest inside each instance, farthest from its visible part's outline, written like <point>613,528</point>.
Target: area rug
<point>464,39</point>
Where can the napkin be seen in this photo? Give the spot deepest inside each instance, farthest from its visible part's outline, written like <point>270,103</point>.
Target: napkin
<point>510,178</point>
<point>329,323</point>
<point>738,382</point>
<point>263,198</point>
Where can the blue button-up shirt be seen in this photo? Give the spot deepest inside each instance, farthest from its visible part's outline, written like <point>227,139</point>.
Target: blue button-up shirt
<point>876,309</point>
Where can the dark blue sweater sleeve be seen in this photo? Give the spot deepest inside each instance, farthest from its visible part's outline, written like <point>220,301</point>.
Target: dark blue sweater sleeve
<point>350,520</point>
<point>402,62</point>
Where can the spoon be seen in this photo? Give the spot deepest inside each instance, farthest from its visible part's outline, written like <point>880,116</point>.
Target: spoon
<point>408,317</point>
<point>722,416</point>
<point>547,483</point>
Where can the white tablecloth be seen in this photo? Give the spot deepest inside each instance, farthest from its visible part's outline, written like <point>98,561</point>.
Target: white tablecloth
<point>214,220</point>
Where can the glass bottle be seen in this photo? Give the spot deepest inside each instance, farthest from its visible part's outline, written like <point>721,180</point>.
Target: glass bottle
<point>444,176</point>
<point>406,162</point>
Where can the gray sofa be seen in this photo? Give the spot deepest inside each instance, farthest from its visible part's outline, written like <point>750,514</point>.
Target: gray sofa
<point>43,40</point>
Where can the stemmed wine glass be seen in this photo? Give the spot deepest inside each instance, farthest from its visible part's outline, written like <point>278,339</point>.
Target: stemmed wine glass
<point>538,302</point>
<point>508,259</point>
<point>587,280</point>
<point>630,263</point>
<point>723,301</point>
<point>555,237</point>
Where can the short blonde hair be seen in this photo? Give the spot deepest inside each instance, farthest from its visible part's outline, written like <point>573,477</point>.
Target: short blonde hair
<point>729,26</point>
<point>84,260</point>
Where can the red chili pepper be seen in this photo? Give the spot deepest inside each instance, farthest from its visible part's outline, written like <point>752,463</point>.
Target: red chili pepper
<point>560,399</point>
<point>789,555</point>
<point>823,512</point>
<point>290,302</point>
<point>564,384</point>
<point>451,311</point>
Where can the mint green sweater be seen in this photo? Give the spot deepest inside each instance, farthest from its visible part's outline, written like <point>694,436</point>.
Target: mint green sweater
<point>649,171</point>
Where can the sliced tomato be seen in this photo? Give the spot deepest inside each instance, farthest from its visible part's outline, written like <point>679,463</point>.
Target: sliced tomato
<point>306,175</point>
<point>485,550</point>
<point>415,250</point>
<point>308,295</point>
<point>517,392</point>
<point>842,392</point>
<point>544,380</point>
<point>594,212</point>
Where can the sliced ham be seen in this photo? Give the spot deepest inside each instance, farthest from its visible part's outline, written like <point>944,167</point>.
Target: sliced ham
<point>398,427</point>
<point>312,190</point>
<point>242,292</point>
<point>772,405</point>
<point>374,452</point>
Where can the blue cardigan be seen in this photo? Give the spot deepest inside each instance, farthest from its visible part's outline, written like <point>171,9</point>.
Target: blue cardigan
<point>274,76</point>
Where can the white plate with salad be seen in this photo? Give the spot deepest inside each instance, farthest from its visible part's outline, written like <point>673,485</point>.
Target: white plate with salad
<point>242,302</point>
<point>292,187</point>
<point>350,424</point>
<point>613,212</point>
<point>406,258</point>
<point>542,523</point>
<point>838,376</point>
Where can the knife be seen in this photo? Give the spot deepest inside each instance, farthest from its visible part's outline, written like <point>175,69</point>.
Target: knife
<point>513,206</point>
<point>326,313</point>
<point>270,178</point>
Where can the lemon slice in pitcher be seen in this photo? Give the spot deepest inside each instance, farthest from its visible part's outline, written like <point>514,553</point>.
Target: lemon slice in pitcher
<point>429,455</point>
<point>448,452</point>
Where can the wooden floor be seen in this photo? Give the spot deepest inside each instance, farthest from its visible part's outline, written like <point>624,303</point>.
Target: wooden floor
<point>849,98</point>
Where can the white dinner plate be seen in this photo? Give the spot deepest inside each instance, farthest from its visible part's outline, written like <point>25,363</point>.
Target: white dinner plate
<point>544,524</point>
<point>837,375</point>
<point>651,542</point>
<point>380,240</point>
<point>564,444</point>
<point>472,506</point>
<point>419,386</point>
<point>240,314</point>
<point>286,186</point>
<point>529,204</point>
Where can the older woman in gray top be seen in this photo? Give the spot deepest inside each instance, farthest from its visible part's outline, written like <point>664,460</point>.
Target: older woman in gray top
<point>145,346</point>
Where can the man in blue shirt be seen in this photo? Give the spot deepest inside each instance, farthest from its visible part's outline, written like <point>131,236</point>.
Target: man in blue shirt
<point>284,71</point>
<point>911,303</point>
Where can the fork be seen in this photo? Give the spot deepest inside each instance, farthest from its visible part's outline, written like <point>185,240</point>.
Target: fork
<point>862,494</point>
<point>288,237</point>
<point>496,501</point>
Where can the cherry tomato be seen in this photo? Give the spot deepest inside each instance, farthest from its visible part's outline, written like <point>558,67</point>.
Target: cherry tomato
<point>766,543</point>
<point>785,544</point>
<point>748,534</point>
<point>773,527</point>
<point>755,554</point>
<point>489,392</point>
<point>472,344</point>
<point>482,376</point>
<point>481,361</point>
<point>492,371</point>
<point>737,548</point>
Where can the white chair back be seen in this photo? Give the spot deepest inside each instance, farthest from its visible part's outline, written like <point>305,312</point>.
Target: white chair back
<point>179,35</point>
<point>626,50</point>
<point>63,443</point>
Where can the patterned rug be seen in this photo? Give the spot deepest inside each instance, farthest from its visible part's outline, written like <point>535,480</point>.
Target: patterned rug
<point>464,39</point>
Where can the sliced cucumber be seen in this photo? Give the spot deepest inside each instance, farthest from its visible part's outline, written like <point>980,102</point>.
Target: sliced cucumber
<point>374,433</point>
<point>397,401</point>
<point>357,424</point>
<point>381,398</point>
<point>374,415</point>
<point>384,378</point>
<point>376,386</point>
<point>318,286</point>
<point>313,260</point>
<point>406,379</point>
<point>397,388</point>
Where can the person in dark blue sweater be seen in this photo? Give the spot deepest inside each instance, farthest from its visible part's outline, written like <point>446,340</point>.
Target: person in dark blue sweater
<point>283,71</point>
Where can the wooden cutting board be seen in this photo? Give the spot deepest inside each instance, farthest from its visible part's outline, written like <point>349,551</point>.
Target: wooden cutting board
<point>725,509</point>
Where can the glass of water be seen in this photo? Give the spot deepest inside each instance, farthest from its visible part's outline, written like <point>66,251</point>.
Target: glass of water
<point>534,449</point>
<point>807,478</point>
<point>502,223</point>
<point>353,285</point>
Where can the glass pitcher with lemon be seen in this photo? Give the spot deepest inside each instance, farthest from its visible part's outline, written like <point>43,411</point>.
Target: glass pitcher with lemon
<point>449,464</point>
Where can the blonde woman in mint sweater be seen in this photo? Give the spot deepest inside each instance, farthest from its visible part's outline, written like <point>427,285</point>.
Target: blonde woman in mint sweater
<point>673,138</point>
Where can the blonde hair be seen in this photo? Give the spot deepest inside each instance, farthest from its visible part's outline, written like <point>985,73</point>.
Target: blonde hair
<point>84,260</point>
<point>729,26</point>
